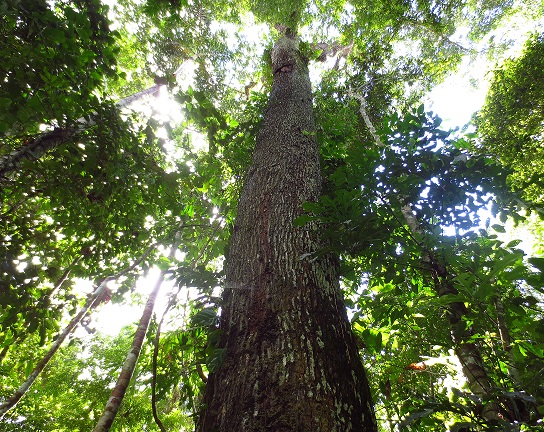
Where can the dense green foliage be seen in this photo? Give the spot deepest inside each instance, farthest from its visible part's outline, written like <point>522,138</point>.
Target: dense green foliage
<point>55,82</point>
<point>398,313</point>
<point>79,376</point>
<point>511,123</point>
<point>123,181</point>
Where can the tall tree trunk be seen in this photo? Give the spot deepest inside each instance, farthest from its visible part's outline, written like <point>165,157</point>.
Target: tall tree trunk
<point>290,362</point>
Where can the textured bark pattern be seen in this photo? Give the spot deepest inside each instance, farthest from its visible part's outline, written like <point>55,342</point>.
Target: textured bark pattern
<point>34,149</point>
<point>290,363</point>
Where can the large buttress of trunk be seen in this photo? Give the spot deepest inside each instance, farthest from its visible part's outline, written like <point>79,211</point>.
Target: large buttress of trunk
<point>290,362</point>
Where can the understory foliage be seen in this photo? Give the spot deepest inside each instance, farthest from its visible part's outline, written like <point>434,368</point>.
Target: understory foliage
<point>118,185</point>
<point>82,374</point>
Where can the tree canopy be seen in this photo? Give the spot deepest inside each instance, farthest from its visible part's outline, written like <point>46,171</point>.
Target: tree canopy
<point>511,123</point>
<point>128,129</point>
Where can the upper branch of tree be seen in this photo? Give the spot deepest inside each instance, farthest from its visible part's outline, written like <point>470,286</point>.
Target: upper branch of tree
<point>415,23</point>
<point>366,118</point>
<point>331,50</point>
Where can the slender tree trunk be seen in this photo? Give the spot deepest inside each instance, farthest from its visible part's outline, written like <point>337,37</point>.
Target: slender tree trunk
<point>65,275</point>
<point>13,400</point>
<point>506,341</point>
<point>37,146</point>
<point>126,101</point>
<point>290,360</point>
<point>154,377</point>
<point>468,353</point>
<point>118,393</point>
<point>366,118</point>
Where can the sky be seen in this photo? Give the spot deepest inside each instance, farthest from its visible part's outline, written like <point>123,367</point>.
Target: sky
<point>463,93</point>
<point>455,101</point>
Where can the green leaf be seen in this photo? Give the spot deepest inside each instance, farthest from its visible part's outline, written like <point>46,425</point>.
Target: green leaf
<point>205,318</point>
<point>416,416</point>
<point>214,360</point>
<point>462,426</point>
<point>537,262</point>
<point>313,207</point>
<point>163,263</point>
<point>513,243</point>
<point>498,228</point>
<point>5,102</point>
<point>303,220</point>
<point>503,263</point>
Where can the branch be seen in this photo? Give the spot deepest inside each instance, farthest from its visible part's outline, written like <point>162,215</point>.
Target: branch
<point>410,219</point>
<point>20,392</point>
<point>416,23</point>
<point>366,118</point>
<point>331,50</point>
<point>199,257</point>
<point>154,373</point>
<point>65,274</point>
<point>136,263</point>
<point>37,146</point>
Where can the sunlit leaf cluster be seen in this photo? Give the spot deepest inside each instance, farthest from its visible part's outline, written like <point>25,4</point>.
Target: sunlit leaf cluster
<point>416,216</point>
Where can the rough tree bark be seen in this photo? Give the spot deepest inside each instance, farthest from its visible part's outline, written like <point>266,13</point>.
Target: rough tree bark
<point>290,363</point>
